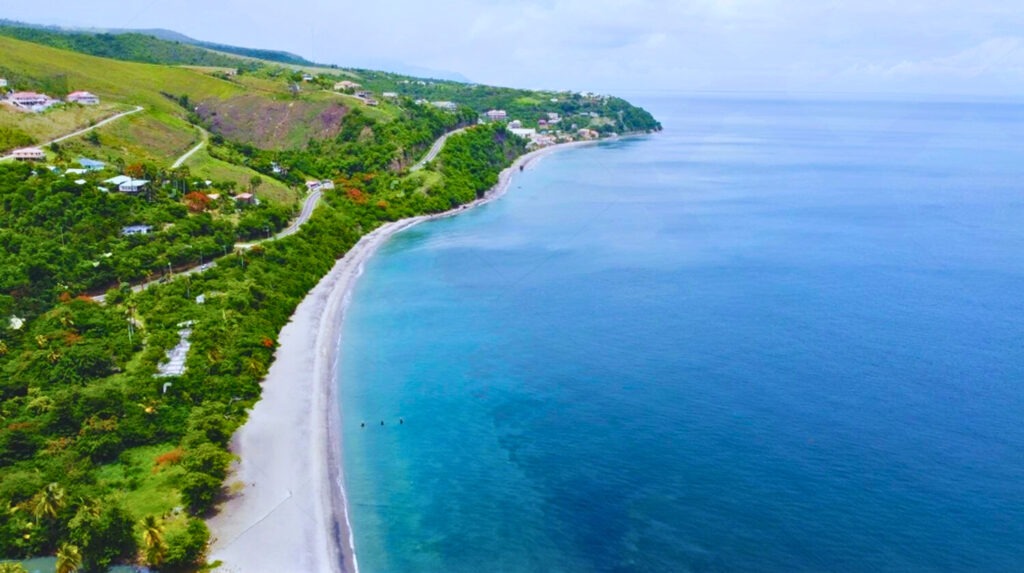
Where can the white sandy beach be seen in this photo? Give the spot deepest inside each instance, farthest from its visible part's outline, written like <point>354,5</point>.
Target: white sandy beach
<point>291,513</point>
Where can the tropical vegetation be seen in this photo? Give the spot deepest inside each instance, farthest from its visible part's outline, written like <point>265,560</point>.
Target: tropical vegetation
<point>101,459</point>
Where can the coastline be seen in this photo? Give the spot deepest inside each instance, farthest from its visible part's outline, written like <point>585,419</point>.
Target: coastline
<point>291,513</point>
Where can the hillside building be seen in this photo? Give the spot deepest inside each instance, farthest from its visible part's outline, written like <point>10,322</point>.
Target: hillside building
<point>28,154</point>
<point>92,164</point>
<point>496,115</point>
<point>346,85</point>
<point>523,132</point>
<point>83,98</point>
<point>118,180</point>
<point>133,185</point>
<point>445,105</point>
<point>136,230</point>
<point>31,100</point>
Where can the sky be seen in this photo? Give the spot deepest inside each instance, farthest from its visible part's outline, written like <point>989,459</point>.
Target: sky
<point>808,46</point>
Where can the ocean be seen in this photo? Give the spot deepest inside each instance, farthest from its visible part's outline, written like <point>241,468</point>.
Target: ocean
<point>782,335</point>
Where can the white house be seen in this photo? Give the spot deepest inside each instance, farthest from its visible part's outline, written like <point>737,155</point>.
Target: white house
<point>84,98</point>
<point>307,77</point>
<point>136,230</point>
<point>28,99</point>
<point>445,105</point>
<point>31,100</point>
<point>3,83</point>
<point>390,95</point>
<point>313,186</point>
<point>132,185</point>
<point>92,164</point>
<point>524,132</point>
<point>118,180</point>
<point>28,154</point>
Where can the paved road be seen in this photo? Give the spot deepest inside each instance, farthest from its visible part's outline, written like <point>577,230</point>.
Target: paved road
<point>308,206</point>
<point>205,137</point>
<point>435,149</point>
<point>304,214</point>
<point>81,131</point>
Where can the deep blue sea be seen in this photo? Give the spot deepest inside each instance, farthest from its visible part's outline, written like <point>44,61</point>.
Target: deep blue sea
<point>780,336</point>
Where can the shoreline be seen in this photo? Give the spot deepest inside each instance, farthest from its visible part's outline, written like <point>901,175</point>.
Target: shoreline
<point>292,513</point>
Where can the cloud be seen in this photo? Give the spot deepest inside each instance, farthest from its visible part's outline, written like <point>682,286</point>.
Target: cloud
<point>608,45</point>
<point>993,56</point>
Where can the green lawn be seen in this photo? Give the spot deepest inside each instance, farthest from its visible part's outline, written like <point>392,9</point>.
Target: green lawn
<point>142,137</point>
<point>148,489</point>
<point>425,179</point>
<point>203,166</point>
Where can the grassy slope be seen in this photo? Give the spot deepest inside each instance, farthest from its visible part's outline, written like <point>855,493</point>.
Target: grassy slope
<point>158,135</point>
<point>125,82</point>
<point>58,120</point>
<point>144,137</point>
<point>202,166</point>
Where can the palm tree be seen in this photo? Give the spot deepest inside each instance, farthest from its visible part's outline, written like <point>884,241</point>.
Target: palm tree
<point>153,538</point>
<point>12,567</point>
<point>69,559</point>
<point>48,502</point>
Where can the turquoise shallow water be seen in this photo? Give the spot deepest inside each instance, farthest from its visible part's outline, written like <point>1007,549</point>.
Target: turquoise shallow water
<point>780,336</point>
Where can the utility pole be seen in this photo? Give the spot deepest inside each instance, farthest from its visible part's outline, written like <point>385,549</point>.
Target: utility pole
<point>131,325</point>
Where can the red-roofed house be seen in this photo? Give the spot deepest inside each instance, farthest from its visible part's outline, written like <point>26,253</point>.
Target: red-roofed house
<point>84,98</point>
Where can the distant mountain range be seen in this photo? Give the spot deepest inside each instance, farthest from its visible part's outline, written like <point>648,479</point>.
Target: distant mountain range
<point>260,54</point>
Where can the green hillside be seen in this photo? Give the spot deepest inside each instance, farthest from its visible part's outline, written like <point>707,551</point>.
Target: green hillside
<point>96,450</point>
<point>148,46</point>
<point>33,66</point>
<point>129,46</point>
<point>165,129</point>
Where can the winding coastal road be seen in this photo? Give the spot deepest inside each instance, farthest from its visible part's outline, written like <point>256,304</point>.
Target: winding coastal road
<point>137,109</point>
<point>435,149</point>
<point>308,206</point>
